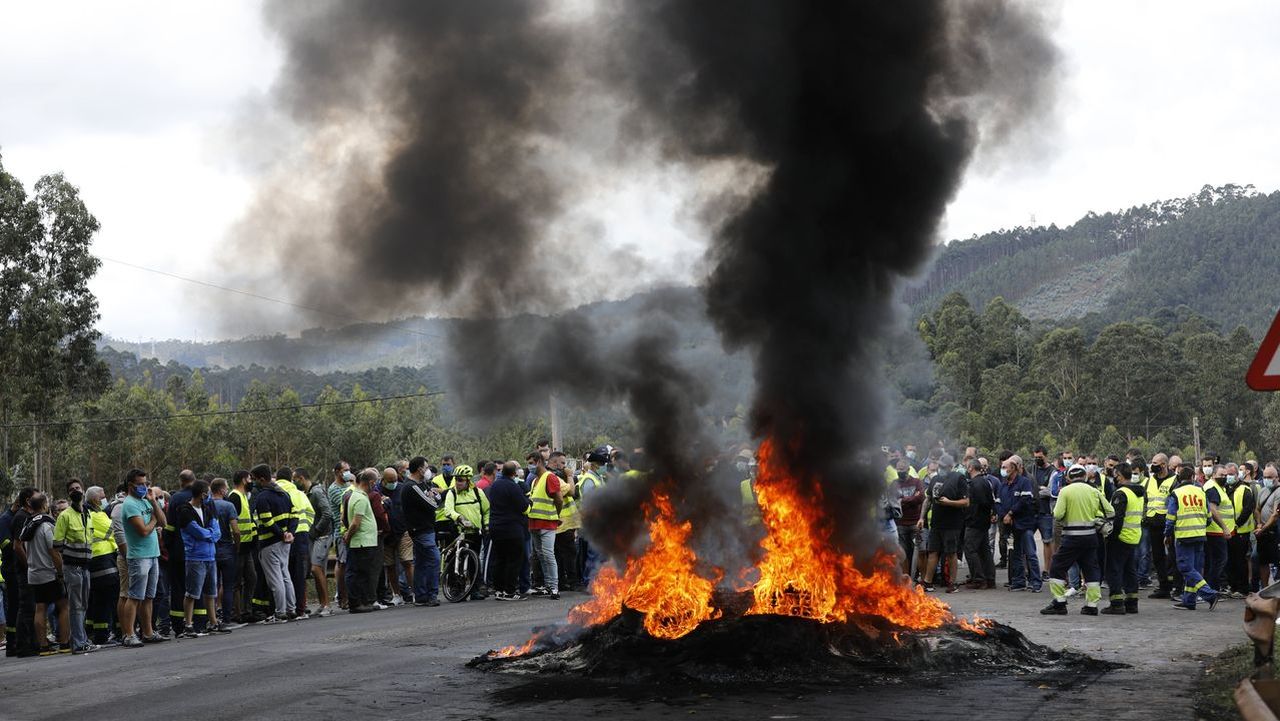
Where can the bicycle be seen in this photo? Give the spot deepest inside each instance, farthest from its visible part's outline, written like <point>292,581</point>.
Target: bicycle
<point>460,570</point>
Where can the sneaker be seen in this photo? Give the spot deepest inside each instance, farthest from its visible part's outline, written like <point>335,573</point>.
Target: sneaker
<point>501,596</point>
<point>82,650</point>
<point>191,633</point>
<point>1054,609</point>
<point>1183,607</point>
<point>1037,589</point>
<point>1016,588</point>
<point>46,651</point>
<point>952,589</point>
<point>291,616</point>
<point>539,591</point>
<point>397,600</point>
<point>928,588</point>
<point>1089,610</point>
<point>155,638</point>
<point>131,641</point>
<point>220,629</point>
<point>1213,602</point>
<point>324,612</point>
<point>379,606</point>
<point>361,609</point>
<point>1072,592</point>
<point>1159,594</point>
<point>553,595</point>
<point>234,626</point>
<point>273,620</point>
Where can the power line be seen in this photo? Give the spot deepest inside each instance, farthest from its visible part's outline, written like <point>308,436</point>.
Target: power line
<point>231,412</point>
<point>269,299</point>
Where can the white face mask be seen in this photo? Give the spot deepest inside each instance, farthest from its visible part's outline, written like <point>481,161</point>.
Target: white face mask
<point>1268,482</point>
<point>1208,470</point>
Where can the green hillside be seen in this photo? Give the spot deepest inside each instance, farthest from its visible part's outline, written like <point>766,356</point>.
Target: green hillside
<point>1212,252</point>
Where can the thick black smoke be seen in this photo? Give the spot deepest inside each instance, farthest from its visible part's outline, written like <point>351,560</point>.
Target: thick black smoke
<point>855,120</point>
<point>452,200</point>
<point>865,115</point>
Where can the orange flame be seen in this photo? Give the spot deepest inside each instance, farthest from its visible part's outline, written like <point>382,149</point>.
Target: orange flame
<point>661,583</point>
<point>803,574</point>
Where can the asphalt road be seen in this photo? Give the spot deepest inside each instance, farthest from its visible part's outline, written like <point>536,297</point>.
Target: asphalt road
<point>409,663</point>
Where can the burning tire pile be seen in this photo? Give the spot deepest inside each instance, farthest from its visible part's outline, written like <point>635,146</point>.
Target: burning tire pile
<point>812,615</point>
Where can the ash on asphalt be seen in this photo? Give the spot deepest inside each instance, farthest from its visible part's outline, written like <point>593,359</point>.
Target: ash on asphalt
<point>619,659</point>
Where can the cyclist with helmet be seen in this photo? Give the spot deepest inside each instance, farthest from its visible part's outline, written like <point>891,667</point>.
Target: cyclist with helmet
<point>467,509</point>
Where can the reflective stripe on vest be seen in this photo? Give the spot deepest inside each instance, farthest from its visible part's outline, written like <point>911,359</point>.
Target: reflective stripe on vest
<point>1157,497</point>
<point>1238,502</point>
<point>1226,509</point>
<point>248,532</point>
<point>1192,510</point>
<point>1131,531</point>
<point>543,508</point>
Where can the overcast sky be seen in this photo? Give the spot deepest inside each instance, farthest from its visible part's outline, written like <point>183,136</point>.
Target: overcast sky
<point>134,101</point>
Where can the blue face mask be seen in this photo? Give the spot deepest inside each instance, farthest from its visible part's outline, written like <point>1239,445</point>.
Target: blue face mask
<point>1004,472</point>
<point>140,491</point>
<point>447,470</point>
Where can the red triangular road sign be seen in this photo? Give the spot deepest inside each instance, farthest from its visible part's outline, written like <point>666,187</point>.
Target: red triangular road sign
<point>1264,371</point>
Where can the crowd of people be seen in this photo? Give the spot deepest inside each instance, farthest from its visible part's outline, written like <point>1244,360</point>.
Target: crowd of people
<point>1191,532</point>
<point>146,565</point>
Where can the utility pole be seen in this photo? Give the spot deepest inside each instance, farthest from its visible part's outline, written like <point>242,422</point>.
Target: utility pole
<point>1195,435</point>
<point>555,424</point>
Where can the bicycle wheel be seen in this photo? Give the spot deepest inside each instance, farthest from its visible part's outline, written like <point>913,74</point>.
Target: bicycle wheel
<point>461,571</point>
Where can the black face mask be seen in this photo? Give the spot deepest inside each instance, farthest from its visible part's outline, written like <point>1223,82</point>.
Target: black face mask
<point>77,497</point>
<point>1040,462</point>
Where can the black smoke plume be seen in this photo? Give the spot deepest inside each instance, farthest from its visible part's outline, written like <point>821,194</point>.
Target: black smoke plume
<point>865,115</point>
<point>853,122</point>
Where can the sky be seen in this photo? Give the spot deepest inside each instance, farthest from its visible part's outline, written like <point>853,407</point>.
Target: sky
<point>138,103</point>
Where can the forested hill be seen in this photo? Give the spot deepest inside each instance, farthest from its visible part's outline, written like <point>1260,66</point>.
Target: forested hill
<point>1215,253</point>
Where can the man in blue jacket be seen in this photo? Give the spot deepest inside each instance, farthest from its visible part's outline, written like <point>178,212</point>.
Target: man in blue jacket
<point>507,527</point>
<point>1019,514</point>
<point>198,523</point>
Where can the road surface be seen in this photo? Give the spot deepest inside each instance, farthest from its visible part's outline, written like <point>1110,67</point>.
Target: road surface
<point>408,663</point>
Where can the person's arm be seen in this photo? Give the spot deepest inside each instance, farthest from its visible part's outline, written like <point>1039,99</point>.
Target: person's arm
<point>215,528</point>
<point>1119,504</point>
<point>235,533</point>
<point>56,554</point>
<point>157,513</point>
<point>1170,514</point>
<point>353,524</point>
<point>484,509</point>
<point>450,505</point>
<point>1059,512</point>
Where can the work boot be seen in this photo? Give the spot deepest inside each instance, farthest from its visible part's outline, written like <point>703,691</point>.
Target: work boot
<point>1089,610</point>
<point>1159,593</point>
<point>1054,609</point>
<point>1131,605</point>
<point>1115,609</point>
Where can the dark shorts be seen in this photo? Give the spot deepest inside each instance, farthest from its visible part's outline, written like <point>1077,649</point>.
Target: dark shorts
<point>1268,550</point>
<point>944,540</point>
<point>50,592</point>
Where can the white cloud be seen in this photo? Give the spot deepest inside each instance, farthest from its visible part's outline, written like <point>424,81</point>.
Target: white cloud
<point>133,100</point>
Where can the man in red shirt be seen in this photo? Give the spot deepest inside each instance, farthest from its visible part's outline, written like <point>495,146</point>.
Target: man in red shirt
<point>544,519</point>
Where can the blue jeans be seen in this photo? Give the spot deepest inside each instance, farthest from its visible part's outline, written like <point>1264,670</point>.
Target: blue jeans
<point>1024,566</point>
<point>202,580</point>
<point>1190,560</point>
<point>77,582</point>
<point>1144,555</point>
<point>426,567</point>
<point>544,544</point>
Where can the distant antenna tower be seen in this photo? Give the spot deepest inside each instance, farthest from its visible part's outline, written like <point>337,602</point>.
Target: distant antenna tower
<point>1033,219</point>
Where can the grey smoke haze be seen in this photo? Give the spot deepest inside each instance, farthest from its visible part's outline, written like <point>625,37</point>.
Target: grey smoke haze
<point>850,123</point>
